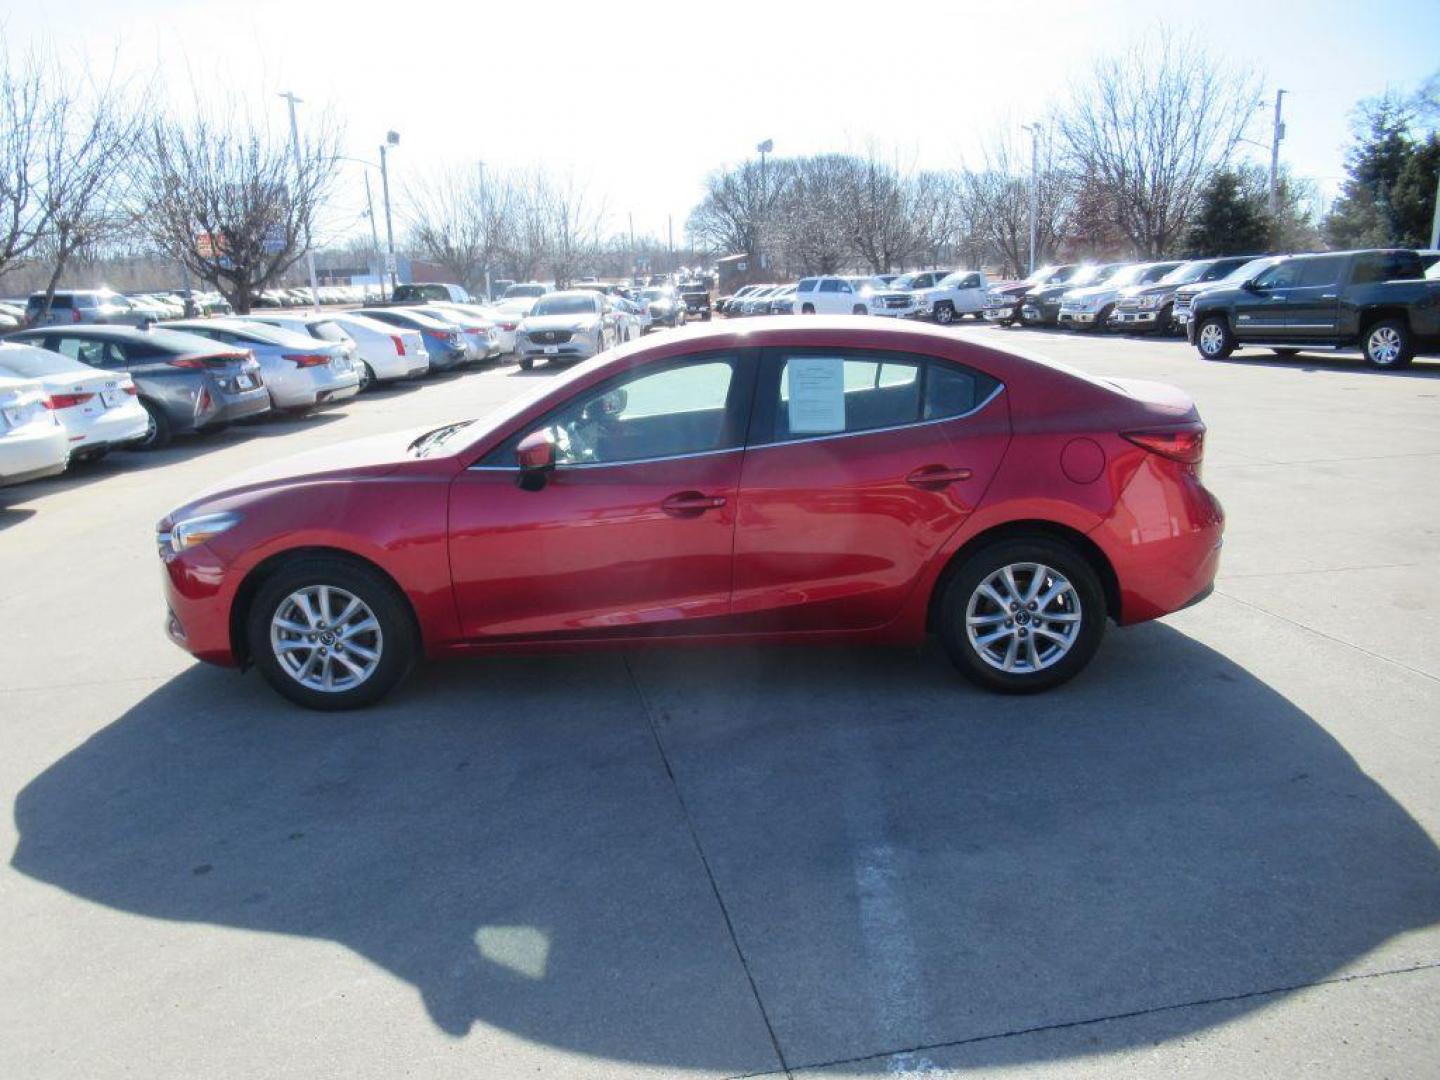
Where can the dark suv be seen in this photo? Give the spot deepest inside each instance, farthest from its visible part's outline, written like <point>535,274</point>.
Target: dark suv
<point>696,296</point>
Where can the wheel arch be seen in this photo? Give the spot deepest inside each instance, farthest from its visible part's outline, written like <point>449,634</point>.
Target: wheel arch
<point>1372,315</point>
<point>1015,530</point>
<point>264,570</point>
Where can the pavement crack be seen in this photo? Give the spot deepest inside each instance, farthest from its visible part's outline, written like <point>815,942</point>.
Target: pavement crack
<point>1037,1029</point>
<point>705,863</point>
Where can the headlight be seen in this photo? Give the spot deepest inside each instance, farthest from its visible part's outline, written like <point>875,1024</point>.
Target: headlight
<point>1149,301</point>
<point>197,530</point>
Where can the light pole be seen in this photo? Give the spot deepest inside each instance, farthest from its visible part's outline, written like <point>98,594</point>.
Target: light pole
<point>295,145</point>
<point>764,148</point>
<point>392,138</point>
<point>1034,130</point>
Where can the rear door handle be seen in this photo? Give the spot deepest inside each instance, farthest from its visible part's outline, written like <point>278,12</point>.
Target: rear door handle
<point>937,476</point>
<point>691,503</point>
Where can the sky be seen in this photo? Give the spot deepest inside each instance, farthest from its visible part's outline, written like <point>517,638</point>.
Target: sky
<point>638,102</point>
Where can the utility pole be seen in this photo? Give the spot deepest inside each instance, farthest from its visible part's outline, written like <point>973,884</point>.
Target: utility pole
<point>374,236</point>
<point>295,145</point>
<point>764,148</point>
<point>485,210</point>
<point>1277,134</point>
<point>1034,130</point>
<point>670,229</point>
<point>392,138</point>
<point>1435,223</point>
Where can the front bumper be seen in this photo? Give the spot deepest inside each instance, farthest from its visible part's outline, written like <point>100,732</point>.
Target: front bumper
<point>1134,318</point>
<point>1041,314</point>
<point>198,597</point>
<point>1076,318</point>
<point>574,349</point>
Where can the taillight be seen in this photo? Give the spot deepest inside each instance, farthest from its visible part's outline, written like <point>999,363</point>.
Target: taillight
<point>1184,446</point>
<point>306,359</point>
<point>74,315</point>
<point>507,326</point>
<point>132,390</point>
<point>202,403</point>
<point>441,335</point>
<point>66,401</point>
<point>191,362</point>
<point>399,344</point>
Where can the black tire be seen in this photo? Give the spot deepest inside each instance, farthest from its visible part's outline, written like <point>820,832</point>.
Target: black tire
<point>807,309</point>
<point>1215,346</point>
<point>1387,345</point>
<point>367,377</point>
<point>858,309</point>
<point>159,434</point>
<point>1286,352</point>
<point>1086,596</point>
<point>397,642</point>
<point>944,313</point>
<point>526,363</point>
<point>705,317</point>
<point>1165,321</point>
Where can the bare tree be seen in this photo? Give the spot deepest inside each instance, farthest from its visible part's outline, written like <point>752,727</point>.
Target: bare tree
<point>812,221</point>
<point>938,207</point>
<point>1149,127</point>
<point>739,204</point>
<point>231,203</point>
<point>24,117</point>
<point>461,218</point>
<point>883,219</point>
<point>570,220</point>
<point>87,183</point>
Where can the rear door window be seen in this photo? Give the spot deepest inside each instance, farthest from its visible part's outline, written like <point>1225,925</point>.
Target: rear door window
<point>1321,272</point>
<point>1377,266</point>
<point>830,285</point>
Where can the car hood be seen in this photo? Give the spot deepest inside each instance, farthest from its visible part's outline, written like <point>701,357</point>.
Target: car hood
<point>375,455</point>
<point>558,322</point>
<point>1047,292</point>
<point>1089,291</point>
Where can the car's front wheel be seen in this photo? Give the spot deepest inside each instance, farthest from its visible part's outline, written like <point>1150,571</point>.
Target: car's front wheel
<point>944,313</point>
<point>330,634</point>
<point>1214,339</point>
<point>1023,615</point>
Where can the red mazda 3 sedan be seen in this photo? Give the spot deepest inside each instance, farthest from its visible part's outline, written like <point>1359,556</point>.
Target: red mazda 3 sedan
<point>816,480</point>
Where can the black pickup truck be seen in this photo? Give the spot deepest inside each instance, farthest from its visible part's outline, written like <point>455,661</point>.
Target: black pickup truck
<point>696,296</point>
<point>1377,301</point>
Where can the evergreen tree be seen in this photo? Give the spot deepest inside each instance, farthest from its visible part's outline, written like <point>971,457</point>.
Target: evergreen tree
<point>1413,197</point>
<point>1231,220</point>
<point>1366,214</point>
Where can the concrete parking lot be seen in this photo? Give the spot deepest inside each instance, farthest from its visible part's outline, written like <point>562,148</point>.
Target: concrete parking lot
<point>1213,854</point>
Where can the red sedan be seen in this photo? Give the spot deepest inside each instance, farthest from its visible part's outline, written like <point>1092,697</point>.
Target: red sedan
<point>837,480</point>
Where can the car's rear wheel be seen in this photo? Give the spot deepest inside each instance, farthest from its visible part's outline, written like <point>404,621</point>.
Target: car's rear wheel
<point>157,432</point>
<point>1387,345</point>
<point>1023,615</point>
<point>330,634</point>
<point>1214,339</point>
<point>807,309</point>
<point>858,309</point>
<point>526,363</point>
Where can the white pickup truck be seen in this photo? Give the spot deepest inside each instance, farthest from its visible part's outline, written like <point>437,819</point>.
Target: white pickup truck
<point>961,293</point>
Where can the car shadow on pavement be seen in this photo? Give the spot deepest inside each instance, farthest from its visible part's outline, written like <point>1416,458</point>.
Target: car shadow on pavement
<point>906,861</point>
<point>1342,363</point>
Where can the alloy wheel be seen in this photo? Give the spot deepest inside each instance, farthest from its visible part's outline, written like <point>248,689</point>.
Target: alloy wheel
<point>326,638</point>
<point>1212,339</point>
<point>1385,345</point>
<point>1024,617</point>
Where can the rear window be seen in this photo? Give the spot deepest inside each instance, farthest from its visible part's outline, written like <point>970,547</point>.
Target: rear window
<point>1377,266</point>
<point>327,331</point>
<point>59,302</point>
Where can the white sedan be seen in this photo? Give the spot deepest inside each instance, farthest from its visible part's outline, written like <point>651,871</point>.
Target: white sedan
<point>99,409</point>
<point>32,442</point>
<point>383,352</point>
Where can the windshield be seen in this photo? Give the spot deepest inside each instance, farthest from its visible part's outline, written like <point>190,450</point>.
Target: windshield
<point>1250,269</point>
<point>1125,275</point>
<point>566,305</point>
<point>655,294</point>
<point>1185,273</point>
<point>524,290</point>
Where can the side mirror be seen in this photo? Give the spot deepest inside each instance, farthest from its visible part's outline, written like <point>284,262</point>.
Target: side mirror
<point>536,454</point>
<point>1250,286</point>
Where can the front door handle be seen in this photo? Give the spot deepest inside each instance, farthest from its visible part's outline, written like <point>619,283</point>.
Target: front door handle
<point>937,476</point>
<point>691,503</point>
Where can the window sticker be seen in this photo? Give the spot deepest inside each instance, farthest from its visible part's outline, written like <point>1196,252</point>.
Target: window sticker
<point>817,394</point>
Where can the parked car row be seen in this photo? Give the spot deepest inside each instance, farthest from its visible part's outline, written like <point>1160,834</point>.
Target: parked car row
<point>76,390</point>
